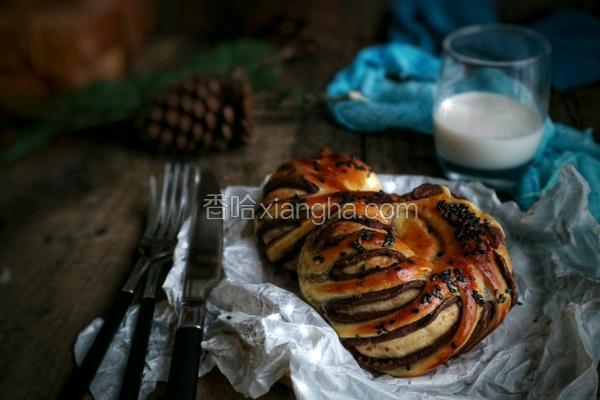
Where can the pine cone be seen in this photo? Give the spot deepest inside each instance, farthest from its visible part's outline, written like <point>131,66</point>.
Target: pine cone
<point>199,114</point>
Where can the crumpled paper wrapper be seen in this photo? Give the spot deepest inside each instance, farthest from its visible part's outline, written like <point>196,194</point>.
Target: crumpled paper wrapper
<point>259,329</point>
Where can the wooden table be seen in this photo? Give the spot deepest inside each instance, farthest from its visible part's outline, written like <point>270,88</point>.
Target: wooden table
<point>70,215</point>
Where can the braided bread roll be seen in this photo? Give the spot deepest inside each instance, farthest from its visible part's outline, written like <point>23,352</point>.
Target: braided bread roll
<point>405,291</point>
<point>304,182</point>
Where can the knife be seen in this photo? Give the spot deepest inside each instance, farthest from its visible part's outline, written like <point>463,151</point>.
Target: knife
<point>203,270</point>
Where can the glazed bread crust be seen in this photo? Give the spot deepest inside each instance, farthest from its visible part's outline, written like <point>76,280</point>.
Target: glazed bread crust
<point>305,182</point>
<point>407,291</point>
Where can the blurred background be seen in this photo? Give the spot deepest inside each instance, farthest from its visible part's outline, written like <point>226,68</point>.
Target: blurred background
<point>53,48</point>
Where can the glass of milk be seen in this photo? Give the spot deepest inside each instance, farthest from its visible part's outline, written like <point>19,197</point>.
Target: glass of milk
<point>491,103</point>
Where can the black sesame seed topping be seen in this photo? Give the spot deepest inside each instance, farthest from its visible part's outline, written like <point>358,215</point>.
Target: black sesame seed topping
<point>426,298</point>
<point>361,167</point>
<point>433,277</point>
<point>437,293</point>
<point>452,287</point>
<point>439,254</point>
<point>453,344</point>
<point>478,297</point>
<point>318,259</point>
<point>357,246</point>
<point>414,311</point>
<point>501,298</point>
<point>367,235</point>
<point>446,276</point>
<point>475,234</point>
<point>381,329</point>
<point>459,275</point>
<point>389,239</point>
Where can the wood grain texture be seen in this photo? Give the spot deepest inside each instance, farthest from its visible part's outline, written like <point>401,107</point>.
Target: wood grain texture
<point>70,215</point>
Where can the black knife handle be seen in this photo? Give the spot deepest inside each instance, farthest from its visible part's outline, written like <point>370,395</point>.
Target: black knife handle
<point>132,378</point>
<point>80,379</point>
<point>185,362</point>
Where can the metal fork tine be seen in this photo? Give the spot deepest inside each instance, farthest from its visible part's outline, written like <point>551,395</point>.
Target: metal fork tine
<point>163,207</point>
<point>170,193</point>
<point>152,208</point>
<point>174,226</point>
<point>167,213</point>
<point>176,202</point>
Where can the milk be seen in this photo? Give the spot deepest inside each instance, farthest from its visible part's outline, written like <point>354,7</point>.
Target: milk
<point>486,131</point>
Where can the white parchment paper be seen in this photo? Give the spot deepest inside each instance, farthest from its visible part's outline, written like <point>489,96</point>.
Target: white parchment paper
<point>259,329</point>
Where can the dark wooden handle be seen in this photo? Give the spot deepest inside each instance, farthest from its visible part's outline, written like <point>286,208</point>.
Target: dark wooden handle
<point>79,381</point>
<point>183,374</point>
<point>132,379</point>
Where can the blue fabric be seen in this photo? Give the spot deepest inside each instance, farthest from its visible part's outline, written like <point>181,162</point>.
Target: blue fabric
<point>392,85</point>
<point>398,81</point>
<point>564,145</point>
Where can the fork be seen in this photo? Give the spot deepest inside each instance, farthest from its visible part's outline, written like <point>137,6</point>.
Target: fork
<point>165,217</point>
<point>175,206</point>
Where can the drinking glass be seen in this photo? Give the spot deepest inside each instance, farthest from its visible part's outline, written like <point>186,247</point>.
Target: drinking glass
<point>491,102</point>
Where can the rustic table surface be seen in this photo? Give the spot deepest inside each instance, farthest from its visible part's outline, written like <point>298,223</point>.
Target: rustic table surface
<point>71,214</point>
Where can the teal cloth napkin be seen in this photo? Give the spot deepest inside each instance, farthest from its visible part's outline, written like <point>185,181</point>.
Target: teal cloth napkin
<point>392,85</point>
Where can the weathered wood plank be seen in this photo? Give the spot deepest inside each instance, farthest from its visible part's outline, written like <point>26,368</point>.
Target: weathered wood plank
<point>65,266</point>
